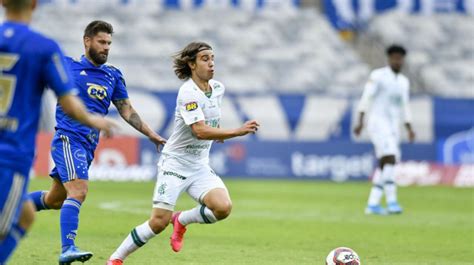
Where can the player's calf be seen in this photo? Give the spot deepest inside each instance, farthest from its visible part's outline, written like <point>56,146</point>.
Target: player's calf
<point>44,200</point>
<point>137,238</point>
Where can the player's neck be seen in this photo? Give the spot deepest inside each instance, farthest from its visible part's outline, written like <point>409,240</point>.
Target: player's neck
<point>395,71</point>
<point>202,84</point>
<point>20,17</point>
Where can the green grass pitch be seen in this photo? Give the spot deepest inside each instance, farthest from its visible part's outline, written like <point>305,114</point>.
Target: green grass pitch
<point>273,222</point>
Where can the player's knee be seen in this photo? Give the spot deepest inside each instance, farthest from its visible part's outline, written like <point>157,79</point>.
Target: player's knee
<point>222,210</point>
<point>78,194</point>
<point>158,223</point>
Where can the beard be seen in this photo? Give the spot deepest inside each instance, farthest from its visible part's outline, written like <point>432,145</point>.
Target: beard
<point>98,58</point>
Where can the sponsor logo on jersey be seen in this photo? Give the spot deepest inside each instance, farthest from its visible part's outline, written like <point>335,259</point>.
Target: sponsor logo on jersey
<point>80,155</point>
<point>96,91</point>
<point>8,124</point>
<point>191,106</point>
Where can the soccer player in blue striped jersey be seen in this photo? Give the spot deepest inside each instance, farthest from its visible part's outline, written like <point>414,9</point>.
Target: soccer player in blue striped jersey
<point>28,63</point>
<point>73,145</point>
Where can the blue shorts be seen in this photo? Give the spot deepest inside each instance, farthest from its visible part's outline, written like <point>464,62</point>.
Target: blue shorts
<point>13,193</point>
<point>71,157</point>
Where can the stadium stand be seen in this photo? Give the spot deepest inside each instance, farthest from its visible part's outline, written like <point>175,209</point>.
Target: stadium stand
<point>442,54</point>
<point>275,47</point>
<point>289,50</point>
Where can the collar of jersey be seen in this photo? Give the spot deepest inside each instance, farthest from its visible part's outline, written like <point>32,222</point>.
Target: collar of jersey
<point>15,23</point>
<point>202,92</point>
<point>87,63</point>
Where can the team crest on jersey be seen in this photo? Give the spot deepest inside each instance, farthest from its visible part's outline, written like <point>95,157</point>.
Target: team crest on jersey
<point>96,91</point>
<point>191,106</point>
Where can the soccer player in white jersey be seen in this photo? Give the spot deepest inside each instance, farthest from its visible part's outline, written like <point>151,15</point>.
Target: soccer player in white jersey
<point>184,163</point>
<point>386,100</point>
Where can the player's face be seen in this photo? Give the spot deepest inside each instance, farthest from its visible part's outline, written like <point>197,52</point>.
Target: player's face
<point>396,60</point>
<point>98,47</point>
<point>204,65</point>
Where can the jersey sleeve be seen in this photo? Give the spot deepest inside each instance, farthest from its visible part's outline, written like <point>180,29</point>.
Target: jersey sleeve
<point>406,103</point>
<point>120,91</point>
<point>56,72</point>
<point>369,92</point>
<point>190,108</point>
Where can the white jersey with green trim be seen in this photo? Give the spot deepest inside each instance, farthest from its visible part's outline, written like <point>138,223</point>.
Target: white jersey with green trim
<point>386,99</point>
<point>192,106</point>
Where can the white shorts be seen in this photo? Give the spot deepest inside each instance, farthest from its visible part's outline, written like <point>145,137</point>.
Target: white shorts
<point>174,178</point>
<point>385,145</point>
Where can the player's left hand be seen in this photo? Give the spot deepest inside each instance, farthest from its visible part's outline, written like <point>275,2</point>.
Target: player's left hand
<point>411,136</point>
<point>158,141</point>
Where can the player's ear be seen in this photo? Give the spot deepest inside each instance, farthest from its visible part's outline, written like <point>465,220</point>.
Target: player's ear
<point>87,41</point>
<point>192,65</point>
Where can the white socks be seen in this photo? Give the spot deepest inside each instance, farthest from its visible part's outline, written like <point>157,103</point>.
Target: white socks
<point>377,189</point>
<point>137,238</point>
<point>200,214</point>
<point>384,181</point>
<point>388,175</point>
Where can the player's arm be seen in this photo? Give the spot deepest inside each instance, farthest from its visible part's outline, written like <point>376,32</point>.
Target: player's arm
<point>75,109</point>
<point>205,132</point>
<point>130,115</point>
<point>369,91</point>
<point>407,114</point>
<point>193,116</point>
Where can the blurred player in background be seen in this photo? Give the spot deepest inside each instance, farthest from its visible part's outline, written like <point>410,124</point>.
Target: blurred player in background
<point>74,144</point>
<point>386,99</point>
<point>28,63</point>
<point>184,164</point>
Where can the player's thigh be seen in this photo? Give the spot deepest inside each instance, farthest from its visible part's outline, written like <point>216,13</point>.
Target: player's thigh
<point>205,183</point>
<point>383,143</point>
<point>169,186</point>
<point>13,193</point>
<point>71,159</point>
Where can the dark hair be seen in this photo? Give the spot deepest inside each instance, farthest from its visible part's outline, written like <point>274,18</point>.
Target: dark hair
<point>187,55</point>
<point>392,49</point>
<point>97,26</point>
<point>16,5</point>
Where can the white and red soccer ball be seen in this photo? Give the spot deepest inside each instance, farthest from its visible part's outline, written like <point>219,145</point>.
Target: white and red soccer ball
<point>342,256</point>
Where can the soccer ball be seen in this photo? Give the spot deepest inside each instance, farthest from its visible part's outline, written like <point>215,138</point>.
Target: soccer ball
<point>342,256</point>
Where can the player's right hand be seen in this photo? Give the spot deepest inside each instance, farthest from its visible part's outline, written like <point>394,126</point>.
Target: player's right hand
<point>106,126</point>
<point>358,130</point>
<point>249,127</point>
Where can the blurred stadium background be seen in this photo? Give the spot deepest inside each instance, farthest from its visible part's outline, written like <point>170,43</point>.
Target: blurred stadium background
<point>299,67</point>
